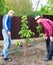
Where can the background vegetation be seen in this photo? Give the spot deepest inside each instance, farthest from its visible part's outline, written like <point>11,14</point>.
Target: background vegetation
<point>24,7</point>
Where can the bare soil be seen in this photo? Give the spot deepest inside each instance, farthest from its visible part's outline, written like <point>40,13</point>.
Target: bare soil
<point>28,56</point>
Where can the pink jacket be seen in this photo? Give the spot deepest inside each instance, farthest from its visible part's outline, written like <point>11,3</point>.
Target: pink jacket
<point>48,26</point>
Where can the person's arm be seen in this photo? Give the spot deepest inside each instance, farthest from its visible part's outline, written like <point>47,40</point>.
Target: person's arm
<point>6,25</point>
<point>47,28</point>
<point>48,32</point>
<point>46,35</point>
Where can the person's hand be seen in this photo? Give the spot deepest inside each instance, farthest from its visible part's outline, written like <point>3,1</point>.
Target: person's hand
<point>46,38</point>
<point>9,33</point>
<point>51,39</point>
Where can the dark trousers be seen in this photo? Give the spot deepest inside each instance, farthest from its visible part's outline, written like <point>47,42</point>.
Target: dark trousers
<point>49,46</point>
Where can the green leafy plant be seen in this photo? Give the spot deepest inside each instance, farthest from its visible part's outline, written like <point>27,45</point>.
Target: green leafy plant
<point>41,35</point>
<point>25,32</point>
<point>39,29</point>
<point>17,43</point>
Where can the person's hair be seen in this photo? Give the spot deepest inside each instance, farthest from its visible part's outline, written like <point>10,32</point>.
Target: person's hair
<point>11,11</point>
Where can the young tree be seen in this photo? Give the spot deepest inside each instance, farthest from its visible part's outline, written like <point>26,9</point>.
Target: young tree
<point>25,32</point>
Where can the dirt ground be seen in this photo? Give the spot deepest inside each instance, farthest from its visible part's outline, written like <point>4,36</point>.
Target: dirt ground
<point>28,56</point>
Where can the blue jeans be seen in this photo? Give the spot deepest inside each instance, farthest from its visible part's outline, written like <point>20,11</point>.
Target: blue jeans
<point>7,43</point>
<point>49,46</point>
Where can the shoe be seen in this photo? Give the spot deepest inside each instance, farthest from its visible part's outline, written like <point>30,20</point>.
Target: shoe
<point>5,59</point>
<point>47,59</point>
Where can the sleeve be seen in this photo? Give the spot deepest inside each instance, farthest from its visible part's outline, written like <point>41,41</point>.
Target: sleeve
<point>48,32</point>
<point>51,25</point>
<point>6,26</point>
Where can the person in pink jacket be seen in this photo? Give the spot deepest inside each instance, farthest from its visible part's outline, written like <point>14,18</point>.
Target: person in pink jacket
<point>47,25</point>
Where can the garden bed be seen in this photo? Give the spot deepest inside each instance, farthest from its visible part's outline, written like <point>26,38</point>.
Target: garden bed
<point>28,55</point>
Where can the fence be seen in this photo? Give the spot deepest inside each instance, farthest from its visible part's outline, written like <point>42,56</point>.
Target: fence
<point>16,25</point>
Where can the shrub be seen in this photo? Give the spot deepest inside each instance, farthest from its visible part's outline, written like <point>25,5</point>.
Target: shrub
<point>39,29</point>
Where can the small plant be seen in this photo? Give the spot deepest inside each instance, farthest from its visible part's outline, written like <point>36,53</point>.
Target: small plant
<point>41,35</point>
<point>25,32</point>
<point>17,43</point>
<point>39,29</point>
